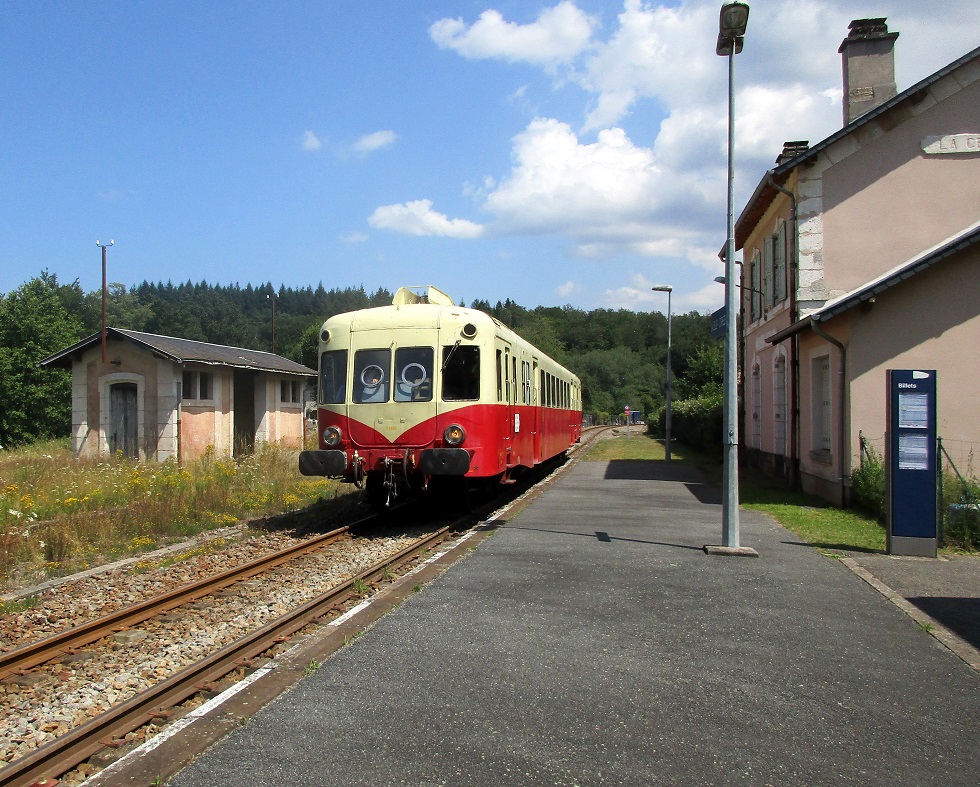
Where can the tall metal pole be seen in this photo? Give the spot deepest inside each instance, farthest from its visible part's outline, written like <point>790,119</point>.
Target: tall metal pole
<point>669,290</point>
<point>272,299</point>
<point>730,516</point>
<point>669,382</point>
<point>103,246</point>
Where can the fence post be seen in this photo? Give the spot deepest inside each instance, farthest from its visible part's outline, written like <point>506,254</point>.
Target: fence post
<point>941,534</point>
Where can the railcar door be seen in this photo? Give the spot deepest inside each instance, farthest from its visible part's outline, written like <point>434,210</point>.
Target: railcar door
<point>536,410</point>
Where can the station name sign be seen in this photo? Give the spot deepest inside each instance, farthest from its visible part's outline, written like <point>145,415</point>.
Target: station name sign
<point>951,143</point>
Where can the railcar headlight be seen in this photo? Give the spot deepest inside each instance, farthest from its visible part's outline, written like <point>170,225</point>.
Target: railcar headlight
<point>332,436</point>
<point>454,435</point>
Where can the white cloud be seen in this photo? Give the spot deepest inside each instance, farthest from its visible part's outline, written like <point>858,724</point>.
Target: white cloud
<point>608,195</point>
<point>374,141</point>
<point>638,295</point>
<point>559,34</point>
<point>311,141</point>
<point>418,218</point>
<point>566,289</point>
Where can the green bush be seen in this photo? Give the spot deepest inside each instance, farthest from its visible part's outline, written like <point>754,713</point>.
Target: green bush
<point>696,422</point>
<point>868,484</point>
<point>961,512</point>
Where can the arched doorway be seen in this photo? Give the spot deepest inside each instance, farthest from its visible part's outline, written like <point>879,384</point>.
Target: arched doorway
<point>123,424</point>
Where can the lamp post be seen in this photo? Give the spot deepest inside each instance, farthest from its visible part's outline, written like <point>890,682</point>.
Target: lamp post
<point>103,246</point>
<point>732,20</point>
<point>667,289</point>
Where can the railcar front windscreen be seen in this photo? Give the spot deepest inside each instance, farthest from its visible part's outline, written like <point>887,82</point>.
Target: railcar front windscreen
<point>333,377</point>
<point>372,376</point>
<point>413,374</point>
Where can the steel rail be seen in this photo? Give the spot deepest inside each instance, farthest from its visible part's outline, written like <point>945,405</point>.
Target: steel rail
<point>40,651</point>
<point>74,747</point>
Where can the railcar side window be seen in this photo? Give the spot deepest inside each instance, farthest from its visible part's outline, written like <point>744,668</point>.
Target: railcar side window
<point>460,373</point>
<point>333,377</point>
<point>413,374</point>
<point>372,376</point>
<point>500,376</point>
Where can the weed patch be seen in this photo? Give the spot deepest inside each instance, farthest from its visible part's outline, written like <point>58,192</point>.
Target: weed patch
<point>59,515</point>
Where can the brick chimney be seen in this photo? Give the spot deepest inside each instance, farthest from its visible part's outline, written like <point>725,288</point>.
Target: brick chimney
<point>868,59</point>
<point>792,149</point>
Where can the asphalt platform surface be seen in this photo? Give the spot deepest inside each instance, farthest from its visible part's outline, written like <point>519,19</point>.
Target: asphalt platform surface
<point>591,641</point>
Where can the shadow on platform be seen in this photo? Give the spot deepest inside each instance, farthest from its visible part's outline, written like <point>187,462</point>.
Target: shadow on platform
<point>659,470</point>
<point>959,615</point>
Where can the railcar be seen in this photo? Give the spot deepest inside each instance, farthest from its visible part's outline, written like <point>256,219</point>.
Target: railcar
<point>424,391</point>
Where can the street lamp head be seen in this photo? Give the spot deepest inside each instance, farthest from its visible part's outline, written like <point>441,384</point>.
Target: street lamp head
<point>662,288</point>
<point>720,279</point>
<point>732,21</point>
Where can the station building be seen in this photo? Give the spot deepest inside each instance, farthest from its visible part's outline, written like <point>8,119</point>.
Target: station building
<point>861,253</point>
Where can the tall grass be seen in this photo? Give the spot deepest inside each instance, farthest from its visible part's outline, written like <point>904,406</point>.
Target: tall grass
<point>59,515</point>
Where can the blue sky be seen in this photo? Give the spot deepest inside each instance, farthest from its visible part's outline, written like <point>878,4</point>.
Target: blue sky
<point>552,152</point>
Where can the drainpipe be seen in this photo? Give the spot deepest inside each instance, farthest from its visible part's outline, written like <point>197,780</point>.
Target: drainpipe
<point>794,346</point>
<point>842,436</point>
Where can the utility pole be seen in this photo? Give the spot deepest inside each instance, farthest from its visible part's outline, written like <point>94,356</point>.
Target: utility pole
<point>103,246</point>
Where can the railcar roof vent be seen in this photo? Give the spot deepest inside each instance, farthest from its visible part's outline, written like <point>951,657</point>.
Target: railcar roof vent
<point>423,294</point>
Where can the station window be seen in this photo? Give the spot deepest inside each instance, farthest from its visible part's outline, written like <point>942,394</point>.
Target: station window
<point>413,374</point>
<point>460,373</point>
<point>372,376</point>
<point>289,391</point>
<point>197,385</point>
<point>333,376</point>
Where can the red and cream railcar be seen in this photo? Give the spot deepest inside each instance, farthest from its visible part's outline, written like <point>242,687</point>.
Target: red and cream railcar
<point>424,388</point>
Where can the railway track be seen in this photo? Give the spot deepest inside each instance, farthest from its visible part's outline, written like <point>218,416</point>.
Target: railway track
<point>74,747</point>
<point>42,765</point>
<point>44,650</point>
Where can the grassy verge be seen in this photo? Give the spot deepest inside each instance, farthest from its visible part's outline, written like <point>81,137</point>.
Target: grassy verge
<point>812,519</point>
<point>59,515</point>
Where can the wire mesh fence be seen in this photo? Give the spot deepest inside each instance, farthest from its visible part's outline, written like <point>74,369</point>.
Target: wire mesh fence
<point>959,506</point>
<point>958,519</point>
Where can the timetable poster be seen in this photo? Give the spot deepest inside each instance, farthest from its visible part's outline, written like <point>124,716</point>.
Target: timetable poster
<point>913,411</point>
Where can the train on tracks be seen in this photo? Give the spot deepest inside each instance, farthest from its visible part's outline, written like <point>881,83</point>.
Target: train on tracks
<point>416,394</point>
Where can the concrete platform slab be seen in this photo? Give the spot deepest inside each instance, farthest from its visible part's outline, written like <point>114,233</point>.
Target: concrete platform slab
<point>591,641</point>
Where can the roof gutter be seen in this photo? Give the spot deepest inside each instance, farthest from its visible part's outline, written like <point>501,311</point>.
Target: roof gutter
<point>842,392</point>
<point>794,267</point>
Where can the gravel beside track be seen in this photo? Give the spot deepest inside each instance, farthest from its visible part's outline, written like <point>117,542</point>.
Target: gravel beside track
<point>53,698</point>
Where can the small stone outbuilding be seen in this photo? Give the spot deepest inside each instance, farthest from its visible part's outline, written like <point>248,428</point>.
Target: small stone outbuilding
<point>160,397</point>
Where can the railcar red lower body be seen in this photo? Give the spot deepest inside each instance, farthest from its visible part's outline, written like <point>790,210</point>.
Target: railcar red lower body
<point>498,440</point>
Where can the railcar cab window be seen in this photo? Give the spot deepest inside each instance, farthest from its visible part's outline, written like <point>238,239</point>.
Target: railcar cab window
<point>460,372</point>
<point>413,374</point>
<point>372,376</point>
<point>333,376</point>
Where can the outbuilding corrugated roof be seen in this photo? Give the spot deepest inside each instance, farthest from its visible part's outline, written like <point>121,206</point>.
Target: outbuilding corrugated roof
<point>188,351</point>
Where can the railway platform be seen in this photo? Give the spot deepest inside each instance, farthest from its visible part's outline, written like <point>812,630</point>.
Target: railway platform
<point>590,640</point>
